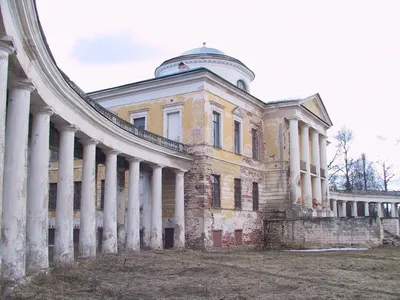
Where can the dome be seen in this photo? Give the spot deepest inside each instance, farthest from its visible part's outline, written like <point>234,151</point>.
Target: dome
<point>203,50</point>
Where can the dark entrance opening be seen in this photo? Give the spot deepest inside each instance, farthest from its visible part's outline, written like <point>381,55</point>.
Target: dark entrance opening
<point>169,238</point>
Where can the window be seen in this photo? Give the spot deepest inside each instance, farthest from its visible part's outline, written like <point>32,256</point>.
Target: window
<point>77,194</point>
<point>254,139</point>
<point>173,126</point>
<point>53,156</point>
<point>216,190</point>
<point>216,129</point>
<point>52,232</point>
<point>139,122</point>
<point>238,193</point>
<point>242,85</point>
<point>52,196</point>
<point>103,183</point>
<point>237,137</point>
<point>255,196</point>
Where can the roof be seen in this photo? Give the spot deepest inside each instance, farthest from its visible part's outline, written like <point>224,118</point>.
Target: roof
<point>203,50</point>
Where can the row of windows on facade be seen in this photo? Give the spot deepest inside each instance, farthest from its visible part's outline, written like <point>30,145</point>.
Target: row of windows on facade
<point>237,136</point>
<point>216,193</point>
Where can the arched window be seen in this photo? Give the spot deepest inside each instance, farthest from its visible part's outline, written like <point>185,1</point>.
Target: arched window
<point>242,85</point>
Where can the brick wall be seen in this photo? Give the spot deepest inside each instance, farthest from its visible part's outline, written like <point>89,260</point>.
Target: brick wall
<point>323,232</point>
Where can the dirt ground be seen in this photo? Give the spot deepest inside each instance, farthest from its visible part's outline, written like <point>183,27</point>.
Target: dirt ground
<point>226,274</point>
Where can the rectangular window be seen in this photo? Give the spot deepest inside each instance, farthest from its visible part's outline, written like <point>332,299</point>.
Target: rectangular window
<point>238,193</point>
<point>52,196</point>
<point>103,183</point>
<point>216,129</point>
<point>255,196</point>
<point>140,123</point>
<point>174,126</point>
<point>237,137</point>
<point>216,190</point>
<point>254,143</point>
<point>77,194</point>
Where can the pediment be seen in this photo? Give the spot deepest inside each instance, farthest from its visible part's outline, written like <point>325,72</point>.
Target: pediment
<point>315,105</point>
<point>240,112</point>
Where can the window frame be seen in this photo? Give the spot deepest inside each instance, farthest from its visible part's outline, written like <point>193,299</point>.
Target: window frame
<point>217,108</point>
<point>237,183</point>
<point>214,192</point>
<point>255,151</point>
<point>52,205</point>
<point>215,113</point>
<point>244,85</point>
<point>77,195</point>
<point>239,120</point>
<point>256,196</point>
<point>142,113</point>
<point>172,108</point>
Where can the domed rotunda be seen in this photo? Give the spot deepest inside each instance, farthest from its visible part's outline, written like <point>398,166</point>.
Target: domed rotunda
<point>229,68</point>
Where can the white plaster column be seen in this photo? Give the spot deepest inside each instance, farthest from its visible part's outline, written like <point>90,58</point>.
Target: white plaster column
<point>37,224</point>
<point>396,209</point>
<point>156,218</point>
<point>110,204</point>
<point>354,212</point>
<point>324,165</point>
<point>380,215</point>
<point>305,156</point>
<point>334,208</point>
<point>6,48</point>
<point>295,189</point>
<point>15,182</point>
<point>147,211</point>
<point>87,231</point>
<point>316,162</point>
<point>63,240</point>
<point>343,212</point>
<point>393,210</point>
<point>133,228</point>
<point>121,205</point>
<point>179,229</point>
<point>366,209</point>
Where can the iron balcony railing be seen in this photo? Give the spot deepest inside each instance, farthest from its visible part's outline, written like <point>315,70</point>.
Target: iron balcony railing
<point>313,169</point>
<point>303,165</point>
<point>141,133</point>
<point>322,173</point>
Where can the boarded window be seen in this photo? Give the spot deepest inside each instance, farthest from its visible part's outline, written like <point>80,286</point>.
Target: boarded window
<point>238,237</point>
<point>215,179</point>
<point>254,139</point>
<point>52,196</point>
<point>103,184</point>
<point>237,137</point>
<point>174,126</point>
<point>238,193</point>
<point>140,122</point>
<point>216,129</point>
<point>77,194</point>
<point>217,238</point>
<point>169,238</point>
<point>255,196</point>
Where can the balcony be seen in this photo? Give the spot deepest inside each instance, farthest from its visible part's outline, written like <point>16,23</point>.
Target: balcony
<point>313,169</point>
<point>322,173</point>
<point>303,166</point>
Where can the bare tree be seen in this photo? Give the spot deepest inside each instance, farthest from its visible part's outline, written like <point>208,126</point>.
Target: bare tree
<point>387,174</point>
<point>363,174</point>
<point>344,138</point>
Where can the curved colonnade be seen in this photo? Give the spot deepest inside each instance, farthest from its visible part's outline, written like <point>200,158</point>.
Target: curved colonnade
<point>39,102</point>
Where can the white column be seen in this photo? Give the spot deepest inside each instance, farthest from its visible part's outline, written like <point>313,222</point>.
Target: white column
<point>15,182</point>
<point>393,210</point>
<point>110,204</point>
<point>156,218</point>
<point>37,224</point>
<point>343,209</point>
<point>396,209</point>
<point>63,240</point>
<point>334,208</point>
<point>324,166</point>
<point>380,215</point>
<point>5,50</point>
<point>295,190</point>
<point>121,199</point>
<point>179,229</point>
<point>305,156</point>
<point>87,231</point>
<point>366,209</point>
<point>146,213</point>
<point>133,228</point>
<point>316,163</point>
<point>354,211</point>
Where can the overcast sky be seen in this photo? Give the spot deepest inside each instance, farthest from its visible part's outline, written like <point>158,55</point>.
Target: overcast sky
<point>348,51</point>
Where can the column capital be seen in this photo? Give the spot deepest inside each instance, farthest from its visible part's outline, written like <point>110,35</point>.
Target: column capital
<point>293,118</point>
<point>70,127</point>
<point>22,84</point>
<point>305,125</point>
<point>88,141</point>
<point>7,44</point>
<point>111,151</point>
<point>179,171</point>
<point>45,110</point>
<point>156,166</point>
<point>134,159</point>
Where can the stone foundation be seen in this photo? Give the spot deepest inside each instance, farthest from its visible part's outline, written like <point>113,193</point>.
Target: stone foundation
<point>391,225</point>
